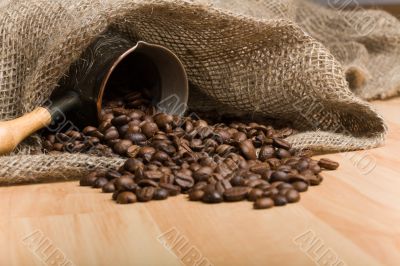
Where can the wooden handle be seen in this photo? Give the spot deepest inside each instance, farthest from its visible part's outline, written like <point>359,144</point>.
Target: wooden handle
<point>14,131</point>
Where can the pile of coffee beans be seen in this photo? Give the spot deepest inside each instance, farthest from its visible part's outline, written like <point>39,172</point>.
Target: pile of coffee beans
<point>209,161</point>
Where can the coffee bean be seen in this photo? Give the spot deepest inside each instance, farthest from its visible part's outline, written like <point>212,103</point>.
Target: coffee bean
<point>132,165</point>
<point>126,197</point>
<point>236,193</point>
<point>136,138</point>
<point>120,120</point>
<point>248,150</point>
<point>124,183</point>
<point>279,176</point>
<point>183,180</point>
<point>280,143</point>
<point>100,182</point>
<point>172,189</point>
<point>160,194</point>
<point>112,174</point>
<point>300,186</point>
<point>255,194</point>
<point>88,180</point>
<point>282,153</point>
<point>263,203</point>
<point>149,129</point>
<point>87,130</point>
<point>147,183</point>
<point>328,164</point>
<point>212,197</point>
<point>314,180</point>
<point>145,194</point>
<point>132,151</point>
<point>279,200</point>
<point>153,175</point>
<point>266,152</point>
<point>108,188</point>
<point>196,195</point>
<point>203,173</point>
<point>111,134</point>
<point>162,120</point>
<point>292,196</point>
<point>121,147</point>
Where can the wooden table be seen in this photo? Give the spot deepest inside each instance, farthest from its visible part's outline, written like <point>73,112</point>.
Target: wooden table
<point>353,218</point>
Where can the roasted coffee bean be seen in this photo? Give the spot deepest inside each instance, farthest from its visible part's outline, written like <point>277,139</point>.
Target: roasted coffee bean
<point>149,129</point>
<point>314,180</point>
<point>263,203</point>
<point>172,189</point>
<point>120,120</point>
<point>88,180</point>
<point>126,197</point>
<point>296,177</point>
<point>316,169</point>
<point>87,130</point>
<point>160,194</point>
<point>280,143</point>
<point>132,151</point>
<point>328,164</point>
<point>203,173</point>
<point>236,193</point>
<point>212,197</point>
<point>145,194</point>
<point>112,174</point>
<point>147,183</point>
<point>279,176</point>
<point>124,183</point>
<point>300,186</point>
<point>196,195</point>
<point>282,153</point>
<point>260,168</point>
<point>292,196</point>
<point>248,150</point>
<point>153,175</point>
<point>239,137</point>
<point>237,180</point>
<point>100,182</point>
<point>108,188</point>
<point>266,152</point>
<point>136,138</point>
<point>111,134</point>
<point>121,147</point>
<point>280,200</point>
<point>255,194</point>
<point>132,165</point>
<point>184,181</point>
<point>163,119</point>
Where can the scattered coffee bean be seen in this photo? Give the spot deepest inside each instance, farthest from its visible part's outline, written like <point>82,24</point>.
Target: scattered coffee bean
<point>212,197</point>
<point>196,195</point>
<point>292,195</point>
<point>328,164</point>
<point>236,193</point>
<point>212,159</point>
<point>263,203</point>
<point>126,197</point>
<point>161,194</point>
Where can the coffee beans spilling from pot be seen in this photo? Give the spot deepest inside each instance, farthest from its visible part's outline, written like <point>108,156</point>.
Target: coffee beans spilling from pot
<point>210,162</point>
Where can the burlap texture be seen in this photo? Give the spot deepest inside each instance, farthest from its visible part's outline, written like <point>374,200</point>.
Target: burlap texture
<point>273,59</point>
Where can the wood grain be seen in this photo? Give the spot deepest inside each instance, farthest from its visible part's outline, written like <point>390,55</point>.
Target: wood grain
<point>353,218</point>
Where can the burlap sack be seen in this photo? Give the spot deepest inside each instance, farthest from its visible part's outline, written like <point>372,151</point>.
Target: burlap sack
<point>265,58</point>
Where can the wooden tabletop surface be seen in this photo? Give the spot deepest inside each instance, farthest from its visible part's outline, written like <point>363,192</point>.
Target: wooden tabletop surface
<point>353,218</point>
